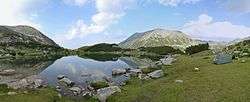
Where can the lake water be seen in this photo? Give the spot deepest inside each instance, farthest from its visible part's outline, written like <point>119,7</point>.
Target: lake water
<point>79,69</point>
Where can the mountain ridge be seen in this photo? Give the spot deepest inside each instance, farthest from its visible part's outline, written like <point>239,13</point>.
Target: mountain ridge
<point>24,34</point>
<point>158,37</point>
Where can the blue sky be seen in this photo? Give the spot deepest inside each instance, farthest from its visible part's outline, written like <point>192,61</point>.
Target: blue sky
<point>76,23</point>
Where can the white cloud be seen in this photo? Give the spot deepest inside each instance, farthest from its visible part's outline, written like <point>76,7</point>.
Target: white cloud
<point>75,2</point>
<point>13,12</point>
<point>241,6</point>
<point>108,13</point>
<point>205,27</point>
<point>177,2</point>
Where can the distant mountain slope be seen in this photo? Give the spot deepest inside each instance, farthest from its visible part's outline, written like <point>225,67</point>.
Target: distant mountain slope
<point>238,41</point>
<point>101,47</point>
<point>23,34</point>
<point>158,37</point>
<point>243,46</point>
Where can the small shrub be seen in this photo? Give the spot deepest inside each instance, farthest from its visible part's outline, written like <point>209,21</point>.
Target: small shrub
<point>197,48</point>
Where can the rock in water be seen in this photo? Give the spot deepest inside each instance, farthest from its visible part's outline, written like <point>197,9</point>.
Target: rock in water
<point>135,72</point>
<point>118,71</point>
<point>76,90</point>
<point>156,74</point>
<point>67,81</point>
<point>104,93</point>
<point>59,77</point>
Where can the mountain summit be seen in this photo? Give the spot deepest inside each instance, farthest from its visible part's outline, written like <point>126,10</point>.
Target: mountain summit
<point>23,34</point>
<point>158,37</point>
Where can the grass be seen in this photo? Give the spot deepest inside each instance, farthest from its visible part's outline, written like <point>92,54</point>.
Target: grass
<point>41,95</point>
<point>213,83</point>
<point>148,70</point>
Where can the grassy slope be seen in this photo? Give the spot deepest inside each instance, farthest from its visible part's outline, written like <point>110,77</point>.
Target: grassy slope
<point>41,95</point>
<point>228,83</point>
<point>213,83</point>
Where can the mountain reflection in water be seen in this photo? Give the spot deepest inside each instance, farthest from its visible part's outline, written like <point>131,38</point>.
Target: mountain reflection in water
<point>78,69</point>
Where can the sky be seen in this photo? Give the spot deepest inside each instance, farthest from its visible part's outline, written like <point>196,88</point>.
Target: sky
<point>76,23</point>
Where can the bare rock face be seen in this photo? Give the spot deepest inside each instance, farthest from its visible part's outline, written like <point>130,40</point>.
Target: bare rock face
<point>104,93</point>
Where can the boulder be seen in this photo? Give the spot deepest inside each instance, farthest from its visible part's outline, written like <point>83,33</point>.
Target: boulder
<point>38,83</point>
<point>23,83</point>
<point>118,71</point>
<point>59,77</point>
<point>58,88</point>
<point>108,79</point>
<point>104,93</point>
<point>135,72</point>
<point>67,81</point>
<point>8,72</point>
<point>168,60</point>
<point>156,74</point>
<point>243,61</point>
<point>35,81</point>
<point>11,93</point>
<point>87,93</point>
<point>76,90</point>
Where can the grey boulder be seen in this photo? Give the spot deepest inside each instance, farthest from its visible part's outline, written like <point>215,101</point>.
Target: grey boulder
<point>118,71</point>
<point>67,81</point>
<point>156,74</point>
<point>76,90</point>
<point>104,93</point>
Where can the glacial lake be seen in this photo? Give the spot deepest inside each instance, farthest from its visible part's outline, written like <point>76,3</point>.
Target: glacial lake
<point>78,69</point>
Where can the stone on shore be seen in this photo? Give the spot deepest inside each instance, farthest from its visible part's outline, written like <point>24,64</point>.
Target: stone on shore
<point>135,72</point>
<point>59,77</point>
<point>76,90</point>
<point>67,81</point>
<point>156,74</point>
<point>7,72</point>
<point>118,71</point>
<point>31,82</point>
<point>11,93</point>
<point>104,93</point>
